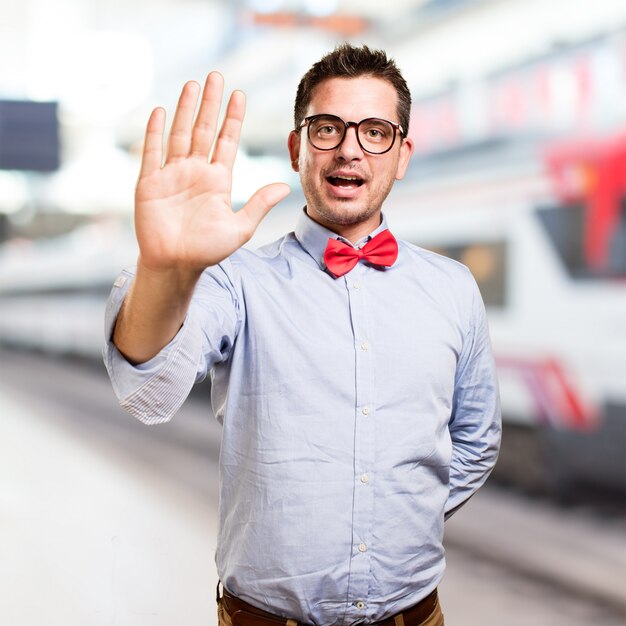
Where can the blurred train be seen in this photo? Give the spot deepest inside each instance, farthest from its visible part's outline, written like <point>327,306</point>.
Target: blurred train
<point>542,229</point>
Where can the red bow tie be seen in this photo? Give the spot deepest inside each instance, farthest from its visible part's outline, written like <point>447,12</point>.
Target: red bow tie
<point>340,257</point>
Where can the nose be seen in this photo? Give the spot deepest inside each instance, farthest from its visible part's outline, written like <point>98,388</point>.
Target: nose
<point>350,149</point>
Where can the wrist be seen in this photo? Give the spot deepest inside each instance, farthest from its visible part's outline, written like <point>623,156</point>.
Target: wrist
<point>170,280</point>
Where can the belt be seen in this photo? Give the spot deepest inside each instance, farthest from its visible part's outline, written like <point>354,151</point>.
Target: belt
<point>243,614</point>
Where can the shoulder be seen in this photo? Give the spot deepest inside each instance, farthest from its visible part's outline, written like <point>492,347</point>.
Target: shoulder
<point>250,260</point>
<point>447,281</point>
<point>434,263</point>
<point>274,249</point>
<point>267,256</point>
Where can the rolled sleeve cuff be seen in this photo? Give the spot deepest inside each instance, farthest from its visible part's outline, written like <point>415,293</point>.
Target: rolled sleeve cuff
<point>152,391</point>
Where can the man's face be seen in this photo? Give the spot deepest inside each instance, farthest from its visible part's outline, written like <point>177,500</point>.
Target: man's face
<point>331,199</point>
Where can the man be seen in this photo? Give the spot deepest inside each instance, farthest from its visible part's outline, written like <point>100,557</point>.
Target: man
<point>352,374</point>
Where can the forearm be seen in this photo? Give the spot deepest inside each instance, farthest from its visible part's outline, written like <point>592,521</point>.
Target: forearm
<point>153,311</point>
<point>475,424</point>
<point>472,462</point>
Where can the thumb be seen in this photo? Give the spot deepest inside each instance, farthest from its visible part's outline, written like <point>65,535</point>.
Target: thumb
<point>260,205</point>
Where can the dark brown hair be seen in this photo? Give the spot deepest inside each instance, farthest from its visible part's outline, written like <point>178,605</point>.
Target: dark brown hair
<point>348,61</point>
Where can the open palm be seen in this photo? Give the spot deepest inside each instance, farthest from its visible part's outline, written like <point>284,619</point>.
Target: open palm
<point>183,213</point>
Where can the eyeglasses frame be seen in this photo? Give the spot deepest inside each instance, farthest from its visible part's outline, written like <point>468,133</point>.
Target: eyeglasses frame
<point>397,128</point>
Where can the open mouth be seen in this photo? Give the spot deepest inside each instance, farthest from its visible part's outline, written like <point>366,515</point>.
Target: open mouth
<point>345,182</point>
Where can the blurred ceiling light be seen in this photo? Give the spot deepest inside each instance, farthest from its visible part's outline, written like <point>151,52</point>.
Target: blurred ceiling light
<point>335,23</point>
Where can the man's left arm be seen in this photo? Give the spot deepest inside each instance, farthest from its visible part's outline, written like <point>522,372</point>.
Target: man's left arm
<point>475,425</point>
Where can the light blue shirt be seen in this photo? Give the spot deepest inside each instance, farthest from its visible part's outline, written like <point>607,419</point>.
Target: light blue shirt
<point>356,411</point>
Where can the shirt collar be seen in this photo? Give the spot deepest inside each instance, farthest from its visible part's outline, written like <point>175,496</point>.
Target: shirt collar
<point>313,237</point>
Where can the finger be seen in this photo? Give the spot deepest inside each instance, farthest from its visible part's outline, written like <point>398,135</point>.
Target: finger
<point>152,156</point>
<point>205,128</point>
<point>228,140</point>
<point>259,205</point>
<point>180,134</point>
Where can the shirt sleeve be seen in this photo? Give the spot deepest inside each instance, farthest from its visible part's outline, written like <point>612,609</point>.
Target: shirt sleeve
<point>154,391</point>
<point>475,425</point>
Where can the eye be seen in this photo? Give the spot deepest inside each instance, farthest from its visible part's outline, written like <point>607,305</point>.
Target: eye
<point>326,130</point>
<point>375,132</point>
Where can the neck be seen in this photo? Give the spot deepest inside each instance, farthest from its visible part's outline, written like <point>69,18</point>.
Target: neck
<point>351,232</point>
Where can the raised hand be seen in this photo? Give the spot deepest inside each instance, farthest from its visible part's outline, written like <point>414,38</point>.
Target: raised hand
<point>183,214</point>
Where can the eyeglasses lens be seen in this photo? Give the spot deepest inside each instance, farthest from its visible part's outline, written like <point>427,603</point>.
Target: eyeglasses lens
<point>327,132</point>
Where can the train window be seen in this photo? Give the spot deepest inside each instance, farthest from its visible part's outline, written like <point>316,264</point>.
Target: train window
<point>587,250</point>
<point>488,263</point>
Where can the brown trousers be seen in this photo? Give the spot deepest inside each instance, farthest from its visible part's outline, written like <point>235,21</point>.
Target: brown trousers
<point>434,619</point>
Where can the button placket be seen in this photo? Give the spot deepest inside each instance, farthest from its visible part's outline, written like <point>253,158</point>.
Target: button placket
<point>360,568</point>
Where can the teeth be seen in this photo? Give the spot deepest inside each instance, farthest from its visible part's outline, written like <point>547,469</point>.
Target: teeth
<point>348,177</point>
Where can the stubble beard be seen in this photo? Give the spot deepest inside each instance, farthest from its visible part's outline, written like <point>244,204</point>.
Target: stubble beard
<point>345,212</point>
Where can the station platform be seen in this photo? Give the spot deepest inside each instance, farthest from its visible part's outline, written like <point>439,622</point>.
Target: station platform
<point>87,538</point>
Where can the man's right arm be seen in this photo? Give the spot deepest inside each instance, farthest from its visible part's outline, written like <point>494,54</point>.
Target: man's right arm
<point>154,389</point>
<point>184,221</point>
<point>153,312</point>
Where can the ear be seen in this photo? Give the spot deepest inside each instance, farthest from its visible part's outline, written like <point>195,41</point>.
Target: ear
<point>293,143</point>
<point>406,150</point>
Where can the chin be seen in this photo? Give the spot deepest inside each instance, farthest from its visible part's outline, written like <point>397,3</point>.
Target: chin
<point>343,214</point>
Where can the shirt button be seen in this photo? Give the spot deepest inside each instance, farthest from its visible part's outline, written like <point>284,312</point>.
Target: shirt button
<point>362,547</point>
<point>365,346</point>
<point>360,605</point>
<point>365,478</point>
<point>356,284</point>
<point>365,410</point>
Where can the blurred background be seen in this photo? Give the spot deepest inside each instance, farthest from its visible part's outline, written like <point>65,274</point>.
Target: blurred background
<point>519,122</point>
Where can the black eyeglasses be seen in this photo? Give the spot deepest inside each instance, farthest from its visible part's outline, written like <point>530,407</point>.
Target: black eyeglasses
<point>375,135</point>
